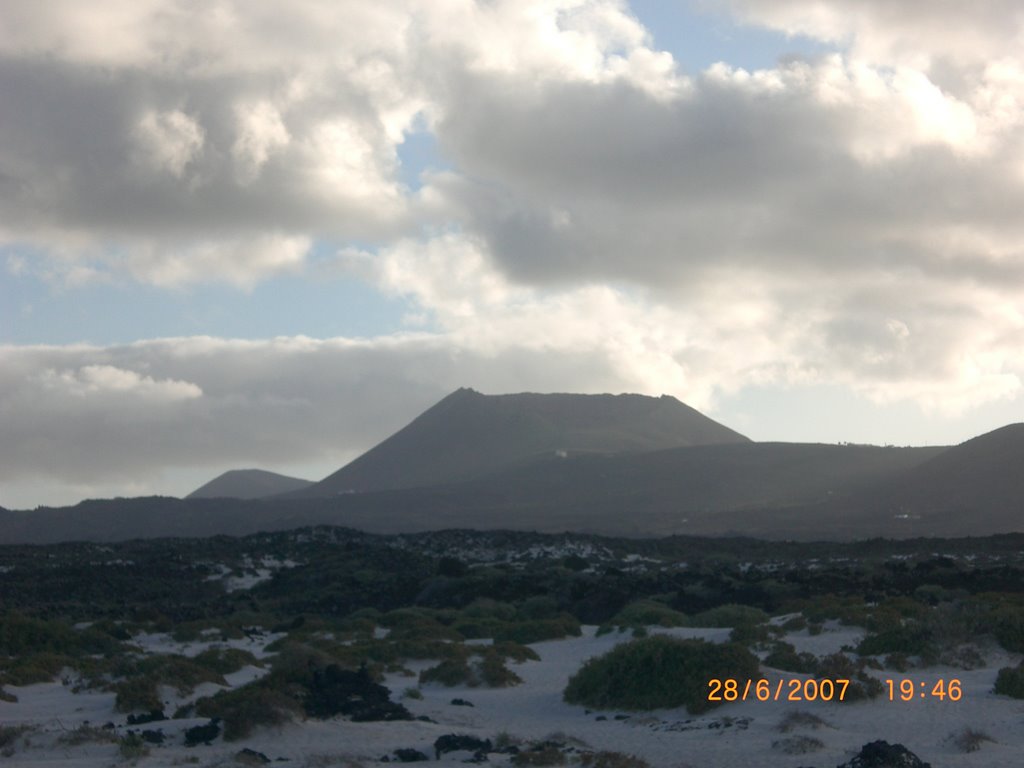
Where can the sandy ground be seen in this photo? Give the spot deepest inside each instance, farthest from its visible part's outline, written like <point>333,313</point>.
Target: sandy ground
<point>737,735</point>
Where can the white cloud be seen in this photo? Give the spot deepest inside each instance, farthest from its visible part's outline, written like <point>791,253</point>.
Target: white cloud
<point>168,140</point>
<point>96,381</point>
<point>604,223</point>
<point>261,132</point>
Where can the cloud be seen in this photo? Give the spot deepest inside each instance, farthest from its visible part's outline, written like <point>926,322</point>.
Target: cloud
<point>168,141</point>
<point>604,223</point>
<point>156,126</point>
<point>95,415</point>
<point>101,381</point>
<point>918,33</point>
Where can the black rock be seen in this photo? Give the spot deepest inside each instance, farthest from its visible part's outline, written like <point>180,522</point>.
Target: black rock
<point>251,757</point>
<point>461,703</point>
<point>409,755</point>
<point>882,754</point>
<point>149,717</point>
<point>454,742</point>
<point>337,691</point>
<point>203,734</point>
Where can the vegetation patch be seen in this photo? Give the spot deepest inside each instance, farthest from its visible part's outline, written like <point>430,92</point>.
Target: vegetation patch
<point>1010,681</point>
<point>969,739</point>
<point>659,672</point>
<point>244,709</point>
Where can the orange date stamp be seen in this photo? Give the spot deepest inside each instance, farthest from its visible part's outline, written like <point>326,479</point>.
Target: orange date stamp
<point>783,689</point>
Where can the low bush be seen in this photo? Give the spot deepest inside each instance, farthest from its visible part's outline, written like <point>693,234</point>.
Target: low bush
<point>910,639</point>
<point>33,668</point>
<point>1010,682</point>
<point>449,673</point>
<point>798,745</point>
<point>800,719</point>
<point>536,630</point>
<point>224,661</point>
<point>838,666</point>
<point>87,734</point>
<point>137,694</point>
<point>244,709</point>
<point>611,760</point>
<point>132,747</point>
<point>729,615</point>
<point>969,740</point>
<point>645,613</point>
<point>784,656</point>
<point>658,672</point>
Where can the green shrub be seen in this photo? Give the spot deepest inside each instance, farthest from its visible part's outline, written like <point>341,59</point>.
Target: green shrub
<point>485,608</point>
<point>137,694</point>
<point>1008,626</point>
<point>33,668</point>
<point>1010,682</point>
<point>538,607</point>
<point>515,651</point>
<point>658,672</point>
<point>534,631</point>
<point>644,613</point>
<point>24,636</point>
<point>246,708</point>
<point>132,747</point>
<point>838,666</point>
<point>750,634</point>
<point>794,624</point>
<point>911,639</point>
<point>494,674</point>
<point>142,676</point>
<point>729,615</point>
<point>784,656</point>
<point>449,673</point>
<point>224,661</point>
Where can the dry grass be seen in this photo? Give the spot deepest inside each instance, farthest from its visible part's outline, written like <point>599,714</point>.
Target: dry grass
<point>969,740</point>
<point>800,719</point>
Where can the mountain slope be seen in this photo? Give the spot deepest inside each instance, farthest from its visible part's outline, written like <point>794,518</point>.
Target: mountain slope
<point>468,435</point>
<point>982,475</point>
<point>248,484</point>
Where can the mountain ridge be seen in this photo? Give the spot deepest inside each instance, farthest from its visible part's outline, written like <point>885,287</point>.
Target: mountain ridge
<point>248,484</point>
<point>468,434</point>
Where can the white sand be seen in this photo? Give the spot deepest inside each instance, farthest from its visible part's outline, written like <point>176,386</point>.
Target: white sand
<point>535,709</point>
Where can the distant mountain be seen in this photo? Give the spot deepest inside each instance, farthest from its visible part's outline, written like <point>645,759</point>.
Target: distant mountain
<point>706,478</point>
<point>248,484</point>
<point>980,479</point>
<point>468,435</point>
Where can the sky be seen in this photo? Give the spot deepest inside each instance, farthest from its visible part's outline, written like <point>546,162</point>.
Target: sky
<point>246,234</point>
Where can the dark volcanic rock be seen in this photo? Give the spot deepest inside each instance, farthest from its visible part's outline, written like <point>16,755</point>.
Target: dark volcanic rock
<point>203,734</point>
<point>882,754</point>
<point>408,755</point>
<point>337,691</point>
<point>251,757</point>
<point>452,742</point>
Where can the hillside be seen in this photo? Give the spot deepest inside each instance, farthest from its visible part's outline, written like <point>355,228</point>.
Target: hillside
<point>248,484</point>
<point>980,476</point>
<point>711,478</point>
<point>468,435</point>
